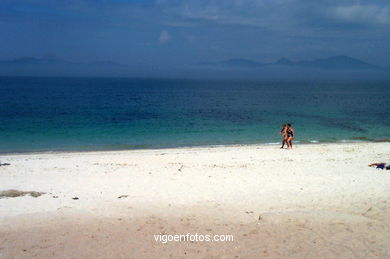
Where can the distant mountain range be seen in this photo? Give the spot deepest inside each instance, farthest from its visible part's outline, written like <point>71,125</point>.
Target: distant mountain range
<point>336,67</point>
<point>340,62</point>
<point>54,61</point>
<point>332,63</point>
<point>233,63</point>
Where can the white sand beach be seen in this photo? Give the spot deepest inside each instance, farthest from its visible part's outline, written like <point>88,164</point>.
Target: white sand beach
<point>315,201</point>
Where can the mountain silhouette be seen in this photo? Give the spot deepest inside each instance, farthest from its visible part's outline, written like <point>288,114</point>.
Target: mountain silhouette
<point>233,63</point>
<point>340,62</point>
<point>336,62</point>
<point>54,61</point>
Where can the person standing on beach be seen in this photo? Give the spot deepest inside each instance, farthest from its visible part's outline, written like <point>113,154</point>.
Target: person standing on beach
<point>284,134</point>
<point>290,135</point>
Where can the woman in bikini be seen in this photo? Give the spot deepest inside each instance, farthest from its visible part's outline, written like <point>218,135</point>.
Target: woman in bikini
<point>290,136</point>
<point>284,134</point>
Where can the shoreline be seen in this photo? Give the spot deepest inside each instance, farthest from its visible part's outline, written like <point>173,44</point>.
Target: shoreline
<point>194,147</point>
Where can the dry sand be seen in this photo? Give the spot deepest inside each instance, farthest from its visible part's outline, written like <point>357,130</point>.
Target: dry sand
<point>316,201</point>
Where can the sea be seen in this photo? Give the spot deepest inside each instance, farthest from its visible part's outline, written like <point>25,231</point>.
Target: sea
<point>83,114</point>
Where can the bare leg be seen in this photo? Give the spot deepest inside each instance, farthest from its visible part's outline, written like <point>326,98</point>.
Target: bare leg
<point>283,142</point>
<point>289,143</point>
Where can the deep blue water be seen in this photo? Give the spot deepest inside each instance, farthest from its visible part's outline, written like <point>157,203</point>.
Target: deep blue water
<point>39,114</point>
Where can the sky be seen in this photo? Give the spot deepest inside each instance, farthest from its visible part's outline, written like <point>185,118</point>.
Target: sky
<point>173,33</point>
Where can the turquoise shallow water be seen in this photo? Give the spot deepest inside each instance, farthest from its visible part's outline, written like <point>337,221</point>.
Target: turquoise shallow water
<point>41,114</point>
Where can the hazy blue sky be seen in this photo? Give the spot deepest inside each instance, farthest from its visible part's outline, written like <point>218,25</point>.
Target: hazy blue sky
<point>173,32</point>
